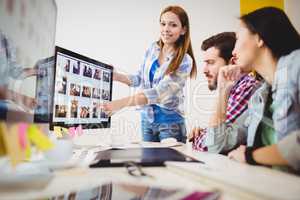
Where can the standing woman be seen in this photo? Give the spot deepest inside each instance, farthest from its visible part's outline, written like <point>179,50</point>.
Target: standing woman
<point>167,65</point>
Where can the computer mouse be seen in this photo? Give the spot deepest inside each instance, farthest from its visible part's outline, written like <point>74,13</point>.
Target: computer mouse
<point>168,141</point>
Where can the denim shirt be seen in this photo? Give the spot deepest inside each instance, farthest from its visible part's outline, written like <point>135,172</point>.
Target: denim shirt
<point>8,61</point>
<point>257,106</point>
<point>289,148</point>
<point>286,101</point>
<point>286,94</point>
<point>286,88</point>
<point>167,90</point>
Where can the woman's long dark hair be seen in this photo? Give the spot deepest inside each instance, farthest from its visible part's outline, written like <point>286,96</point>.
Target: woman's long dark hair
<point>274,28</point>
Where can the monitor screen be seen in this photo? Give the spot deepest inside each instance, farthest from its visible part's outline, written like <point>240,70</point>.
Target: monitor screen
<point>80,85</point>
<point>44,86</point>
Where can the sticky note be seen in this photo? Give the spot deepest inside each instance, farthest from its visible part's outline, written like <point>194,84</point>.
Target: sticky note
<point>23,139</point>
<point>23,135</point>
<point>60,131</point>
<point>57,131</point>
<point>79,130</point>
<point>28,152</point>
<point>2,145</point>
<point>38,138</point>
<point>73,131</point>
<point>11,143</point>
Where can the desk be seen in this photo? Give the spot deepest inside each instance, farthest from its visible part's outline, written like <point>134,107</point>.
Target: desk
<point>240,178</point>
<point>238,181</point>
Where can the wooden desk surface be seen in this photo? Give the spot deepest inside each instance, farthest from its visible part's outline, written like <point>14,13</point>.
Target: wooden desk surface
<point>237,181</point>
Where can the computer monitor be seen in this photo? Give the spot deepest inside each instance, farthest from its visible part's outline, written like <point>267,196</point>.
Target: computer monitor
<point>80,85</point>
<point>44,87</point>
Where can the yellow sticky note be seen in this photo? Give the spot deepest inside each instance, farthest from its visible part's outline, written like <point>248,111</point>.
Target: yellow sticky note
<point>60,131</point>
<point>2,145</point>
<point>38,138</point>
<point>12,143</point>
<point>28,152</point>
<point>247,6</point>
<point>57,131</point>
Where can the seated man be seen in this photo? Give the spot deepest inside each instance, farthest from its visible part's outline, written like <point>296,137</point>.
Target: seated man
<point>231,103</point>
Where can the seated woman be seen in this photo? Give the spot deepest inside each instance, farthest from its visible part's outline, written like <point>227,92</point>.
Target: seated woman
<point>268,43</point>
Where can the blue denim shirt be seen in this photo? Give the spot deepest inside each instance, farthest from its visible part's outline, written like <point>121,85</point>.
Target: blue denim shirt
<point>162,115</point>
<point>8,61</point>
<point>9,69</point>
<point>286,94</point>
<point>167,90</point>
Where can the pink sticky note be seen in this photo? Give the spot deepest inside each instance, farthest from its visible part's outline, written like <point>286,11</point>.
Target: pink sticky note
<point>22,135</point>
<point>72,131</point>
<point>79,130</point>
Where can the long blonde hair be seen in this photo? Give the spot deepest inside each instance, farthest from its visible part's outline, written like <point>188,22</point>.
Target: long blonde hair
<point>183,44</point>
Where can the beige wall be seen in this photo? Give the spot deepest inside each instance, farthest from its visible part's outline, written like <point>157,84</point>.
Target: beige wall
<point>292,8</point>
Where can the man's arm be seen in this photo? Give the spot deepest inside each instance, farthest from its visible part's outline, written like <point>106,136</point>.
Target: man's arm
<point>219,115</point>
<point>226,79</point>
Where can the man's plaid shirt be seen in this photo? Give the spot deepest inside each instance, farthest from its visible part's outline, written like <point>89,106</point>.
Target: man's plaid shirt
<point>239,96</point>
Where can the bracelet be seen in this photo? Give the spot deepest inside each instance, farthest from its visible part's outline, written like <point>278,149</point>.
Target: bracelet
<point>249,156</point>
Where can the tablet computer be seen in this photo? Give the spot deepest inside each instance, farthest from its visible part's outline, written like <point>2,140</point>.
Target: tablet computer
<point>141,156</point>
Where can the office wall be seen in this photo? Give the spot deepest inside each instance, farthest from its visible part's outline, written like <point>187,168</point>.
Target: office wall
<point>292,8</point>
<point>118,32</point>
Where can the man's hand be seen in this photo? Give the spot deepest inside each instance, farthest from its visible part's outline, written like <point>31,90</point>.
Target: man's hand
<point>197,131</point>
<point>238,154</point>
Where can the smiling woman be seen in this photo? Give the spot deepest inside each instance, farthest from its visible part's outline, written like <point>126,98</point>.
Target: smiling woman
<point>168,63</point>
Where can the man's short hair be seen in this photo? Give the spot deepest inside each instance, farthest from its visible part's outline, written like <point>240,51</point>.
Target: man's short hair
<point>224,42</point>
